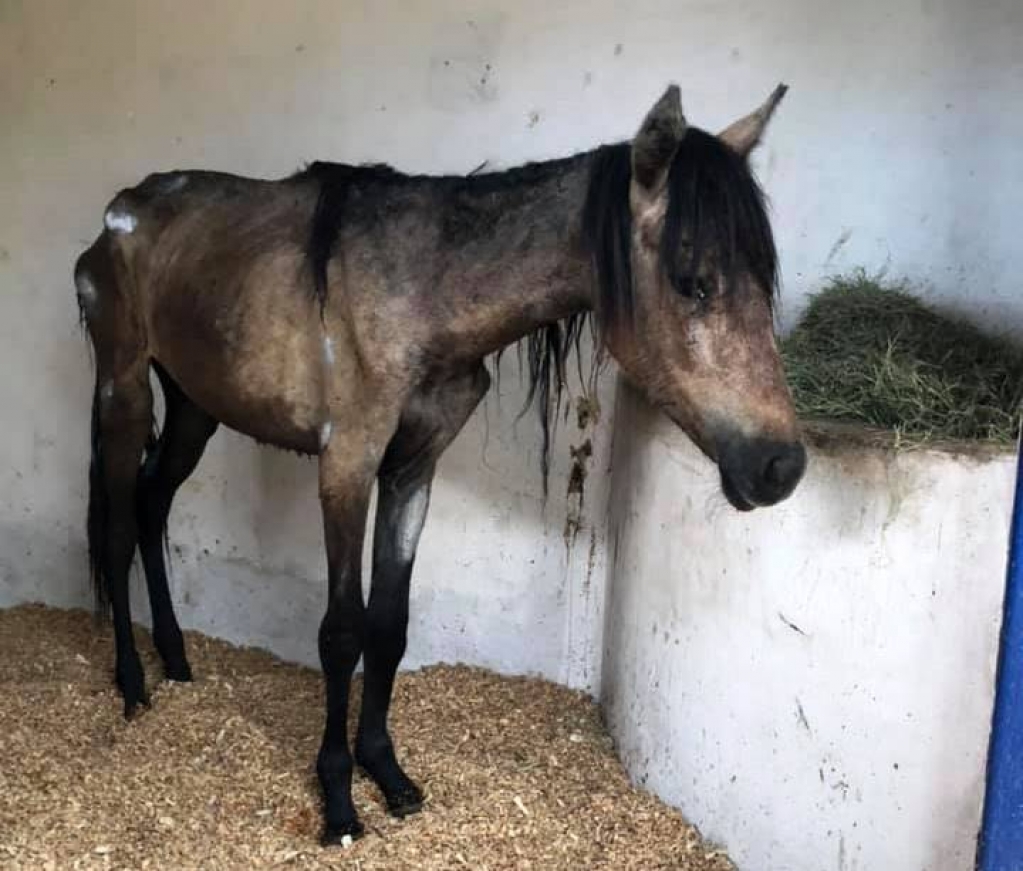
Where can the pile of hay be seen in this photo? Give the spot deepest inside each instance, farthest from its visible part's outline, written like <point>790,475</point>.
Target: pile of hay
<point>873,354</point>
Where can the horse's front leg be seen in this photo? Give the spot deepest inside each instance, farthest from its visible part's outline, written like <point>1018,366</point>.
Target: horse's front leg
<point>401,510</point>
<point>348,464</point>
<point>433,417</point>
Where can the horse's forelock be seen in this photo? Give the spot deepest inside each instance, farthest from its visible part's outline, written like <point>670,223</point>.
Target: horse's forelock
<point>714,203</point>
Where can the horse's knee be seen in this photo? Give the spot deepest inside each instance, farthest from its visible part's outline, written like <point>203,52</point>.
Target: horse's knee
<point>153,499</point>
<point>341,637</point>
<point>386,633</point>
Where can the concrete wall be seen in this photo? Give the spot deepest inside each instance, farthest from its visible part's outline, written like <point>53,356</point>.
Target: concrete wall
<point>813,684</point>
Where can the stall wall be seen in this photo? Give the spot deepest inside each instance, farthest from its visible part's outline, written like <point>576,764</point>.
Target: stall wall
<point>813,684</point>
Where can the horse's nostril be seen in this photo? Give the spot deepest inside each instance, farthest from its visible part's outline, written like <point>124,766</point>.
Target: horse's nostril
<point>785,467</point>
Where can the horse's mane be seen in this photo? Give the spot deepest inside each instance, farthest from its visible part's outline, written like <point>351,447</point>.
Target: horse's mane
<point>335,182</point>
<point>715,206</point>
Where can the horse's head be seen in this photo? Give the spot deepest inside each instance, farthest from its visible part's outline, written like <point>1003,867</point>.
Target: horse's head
<point>686,268</point>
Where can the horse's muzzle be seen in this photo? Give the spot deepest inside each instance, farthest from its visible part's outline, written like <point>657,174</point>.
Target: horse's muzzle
<point>759,472</point>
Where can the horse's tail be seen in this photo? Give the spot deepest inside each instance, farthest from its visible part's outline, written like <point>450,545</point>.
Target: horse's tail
<point>95,278</point>
<point>90,267</point>
<point>98,514</point>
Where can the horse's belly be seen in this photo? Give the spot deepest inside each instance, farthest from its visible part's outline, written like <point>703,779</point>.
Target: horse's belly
<point>285,412</point>
<point>269,389</point>
<point>248,350</point>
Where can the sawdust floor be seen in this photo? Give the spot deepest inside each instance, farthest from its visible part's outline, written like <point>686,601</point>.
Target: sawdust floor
<point>518,772</point>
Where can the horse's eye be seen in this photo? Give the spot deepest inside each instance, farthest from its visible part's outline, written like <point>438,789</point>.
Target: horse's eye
<point>694,286</point>
<point>684,283</point>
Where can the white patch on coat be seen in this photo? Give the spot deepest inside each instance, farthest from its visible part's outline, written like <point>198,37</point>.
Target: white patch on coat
<point>409,523</point>
<point>86,290</point>
<point>106,390</point>
<point>328,350</point>
<point>176,183</point>
<point>701,340</point>
<point>120,222</point>
<point>325,432</point>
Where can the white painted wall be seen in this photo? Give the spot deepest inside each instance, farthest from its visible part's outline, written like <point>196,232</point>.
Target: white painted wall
<point>812,685</point>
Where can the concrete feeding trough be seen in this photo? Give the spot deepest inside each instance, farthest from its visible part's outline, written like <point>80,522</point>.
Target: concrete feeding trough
<point>812,685</point>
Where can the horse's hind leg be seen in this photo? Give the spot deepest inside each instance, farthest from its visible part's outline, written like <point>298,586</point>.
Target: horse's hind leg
<point>429,424</point>
<point>125,417</point>
<point>186,430</point>
<point>122,408</point>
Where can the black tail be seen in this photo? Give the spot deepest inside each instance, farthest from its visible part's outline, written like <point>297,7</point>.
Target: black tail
<point>98,514</point>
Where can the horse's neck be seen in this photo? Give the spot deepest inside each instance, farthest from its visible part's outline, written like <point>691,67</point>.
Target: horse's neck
<point>528,269</point>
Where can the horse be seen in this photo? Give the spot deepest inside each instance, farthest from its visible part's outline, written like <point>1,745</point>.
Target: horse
<point>349,313</point>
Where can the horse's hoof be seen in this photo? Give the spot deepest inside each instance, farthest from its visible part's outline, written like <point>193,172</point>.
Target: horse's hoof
<point>343,834</point>
<point>178,671</point>
<point>171,647</point>
<point>402,797</point>
<point>131,681</point>
<point>132,706</point>
<point>405,802</point>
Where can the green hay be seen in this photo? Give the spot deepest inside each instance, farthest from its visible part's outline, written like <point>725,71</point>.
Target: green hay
<point>873,354</point>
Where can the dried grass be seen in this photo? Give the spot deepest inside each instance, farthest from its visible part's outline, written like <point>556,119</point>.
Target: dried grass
<point>519,772</point>
<point>872,353</point>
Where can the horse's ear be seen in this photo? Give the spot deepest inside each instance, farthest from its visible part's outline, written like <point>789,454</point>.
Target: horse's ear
<point>656,142</point>
<point>745,134</point>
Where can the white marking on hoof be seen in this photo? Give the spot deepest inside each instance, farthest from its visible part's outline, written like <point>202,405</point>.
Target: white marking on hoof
<point>410,522</point>
<point>106,392</point>
<point>328,350</point>
<point>325,432</point>
<point>86,290</point>
<point>120,222</point>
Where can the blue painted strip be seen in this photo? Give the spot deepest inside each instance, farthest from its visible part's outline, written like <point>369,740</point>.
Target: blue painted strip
<point>1000,847</point>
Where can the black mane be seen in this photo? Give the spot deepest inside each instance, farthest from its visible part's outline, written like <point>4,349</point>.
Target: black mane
<point>460,192</point>
<point>335,181</point>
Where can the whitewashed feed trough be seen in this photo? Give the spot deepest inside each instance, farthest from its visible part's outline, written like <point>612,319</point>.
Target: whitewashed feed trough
<point>811,684</point>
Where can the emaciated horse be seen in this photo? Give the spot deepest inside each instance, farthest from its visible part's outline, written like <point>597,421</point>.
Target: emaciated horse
<point>347,311</point>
